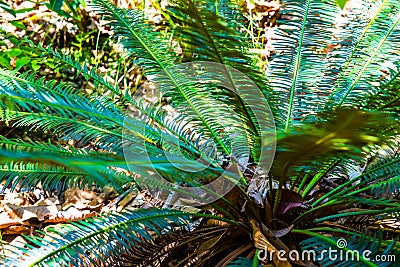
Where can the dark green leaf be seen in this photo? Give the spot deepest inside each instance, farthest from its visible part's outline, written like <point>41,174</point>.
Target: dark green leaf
<point>56,5</point>
<point>18,24</point>
<point>7,8</point>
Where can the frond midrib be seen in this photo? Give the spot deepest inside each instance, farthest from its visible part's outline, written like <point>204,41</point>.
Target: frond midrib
<point>88,125</point>
<point>170,76</point>
<point>110,87</point>
<point>221,60</point>
<point>346,65</point>
<point>370,59</point>
<point>102,230</point>
<point>60,106</point>
<point>41,171</point>
<point>297,65</point>
<point>354,213</point>
<point>24,144</point>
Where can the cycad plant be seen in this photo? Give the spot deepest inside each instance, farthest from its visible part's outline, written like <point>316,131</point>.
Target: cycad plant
<point>333,90</point>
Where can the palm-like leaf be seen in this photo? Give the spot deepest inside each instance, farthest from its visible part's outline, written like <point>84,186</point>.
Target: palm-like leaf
<point>135,33</point>
<point>205,34</point>
<point>371,54</point>
<point>46,106</point>
<point>301,86</point>
<point>293,74</point>
<point>162,249</point>
<point>98,238</point>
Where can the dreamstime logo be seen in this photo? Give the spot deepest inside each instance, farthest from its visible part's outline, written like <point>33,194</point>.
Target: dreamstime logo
<point>343,253</point>
<point>204,123</point>
<point>341,243</point>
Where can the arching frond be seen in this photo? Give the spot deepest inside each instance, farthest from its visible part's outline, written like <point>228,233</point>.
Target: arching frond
<point>50,106</point>
<point>87,242</point>
<point>153,113</point>
<point>296,71</point>
<point>387,96</point>
<point>28,169</point>
<point>47,105</point>
<point>371,54</point>
<point>382,177</point>
<point>312,55</point>
<point>165,248</point>
<point>137,37</point>
<point>28,175</point>
<point>204,33</point>
<point>214,118</point>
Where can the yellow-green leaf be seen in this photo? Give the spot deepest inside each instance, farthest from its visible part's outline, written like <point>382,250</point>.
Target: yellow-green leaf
<point>341,3</point>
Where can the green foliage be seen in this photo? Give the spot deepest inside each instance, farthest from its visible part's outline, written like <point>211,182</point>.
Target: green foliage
<point>56,5</point>
<point>112,234</point>
<point>18,55</point>
<point>334,94</point>
<point>72,7</point>
<point>7,8</point>
<point>341,3</point>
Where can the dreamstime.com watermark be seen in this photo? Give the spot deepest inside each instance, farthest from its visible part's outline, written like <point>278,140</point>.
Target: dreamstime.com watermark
<point>340,253</point>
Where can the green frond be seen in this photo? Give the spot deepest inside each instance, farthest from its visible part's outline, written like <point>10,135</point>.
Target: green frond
<point>28,169</point>
<point>384,168</point>
<point>391,210</point>
<point>56,107</point>
<point>214,32</point>
<point>371,54</point>
<point>47,105</point>
<point>154,113</point>
<point>302,149</point>
<point>137,36</point>
<point>207,36</point>
<point>382,177</point>
<point>20,145</point>
<point>312,55</point>
<point>325,168</point>
<point>101,168</point>
<point>163,249</point>
<point>28,175</point>
<point>387,96</point>
<point>87,242</point>
<point>212,117</point>
<point>380,187</point>
<point>26,165</point>
<point>296,71</point>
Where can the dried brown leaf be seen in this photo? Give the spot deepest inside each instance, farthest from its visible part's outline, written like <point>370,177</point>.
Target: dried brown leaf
<point>26,213</point>
<point>6,221</point>
<point>72,214</point>
<point>262,243</point>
